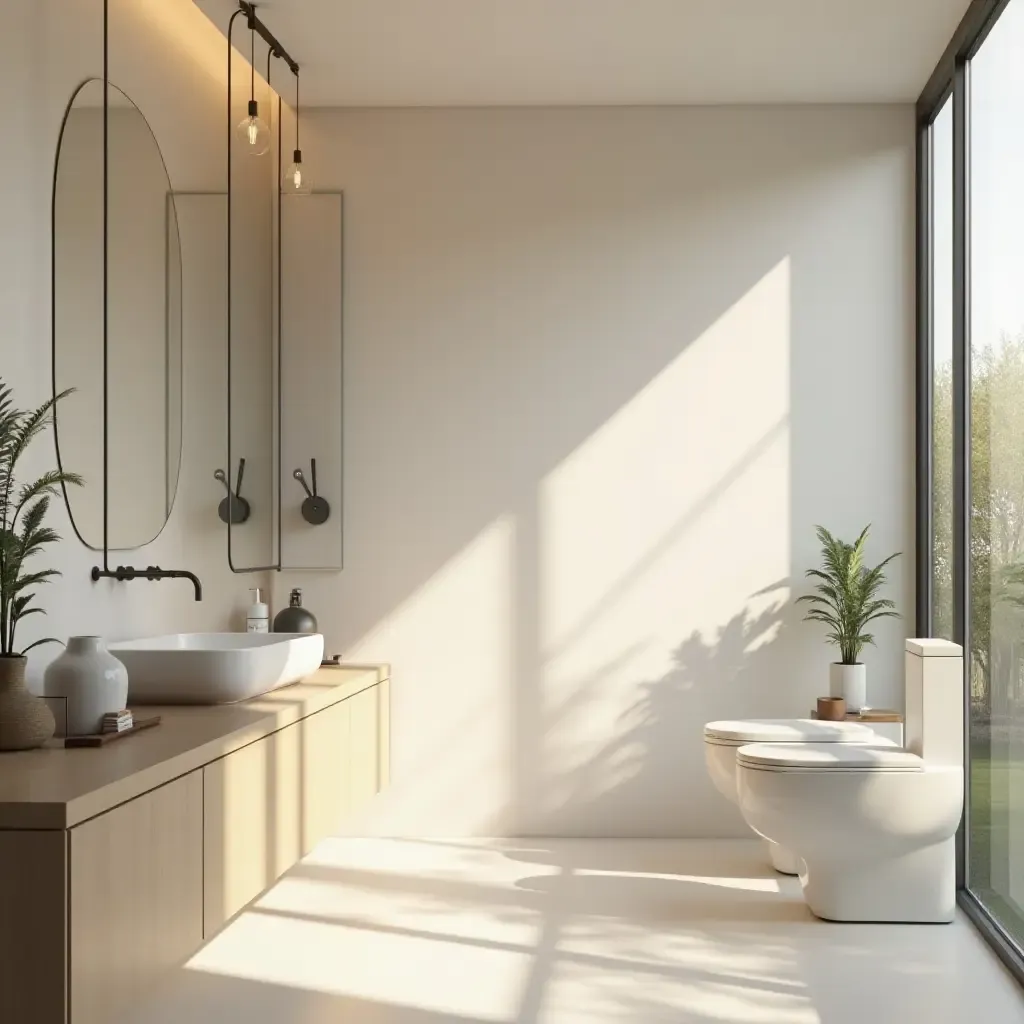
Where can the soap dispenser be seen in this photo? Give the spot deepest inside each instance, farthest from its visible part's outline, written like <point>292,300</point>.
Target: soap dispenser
<point>258,618</point>
<point>295,618</point>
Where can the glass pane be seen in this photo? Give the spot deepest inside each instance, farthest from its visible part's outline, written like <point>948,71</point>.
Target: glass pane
<point>996,868</point>
<point>942,388</point>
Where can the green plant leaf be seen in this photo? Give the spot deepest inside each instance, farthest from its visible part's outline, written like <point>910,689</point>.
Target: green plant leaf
<point>39,643</point>
<point>32,579</point>
<point>47,485</point>
<point>23,534</point>
<point>846,593</point>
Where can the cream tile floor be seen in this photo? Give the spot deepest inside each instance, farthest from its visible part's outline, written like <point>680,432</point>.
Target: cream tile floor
<point>570,932</point>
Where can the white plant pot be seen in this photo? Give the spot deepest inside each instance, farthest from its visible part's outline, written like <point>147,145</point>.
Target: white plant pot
<point>849,682</point>
<point>93,682</point>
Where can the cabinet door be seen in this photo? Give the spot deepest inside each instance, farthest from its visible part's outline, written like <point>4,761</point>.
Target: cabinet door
<point>33,919</point>
<point>384,731</point>
<point>325,773</point>
<point>365,746</point>
<point>136,898</point>
<point>251,820</point>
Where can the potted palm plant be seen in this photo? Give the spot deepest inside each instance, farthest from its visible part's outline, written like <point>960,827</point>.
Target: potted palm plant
<point>25,720</point>
<point>846,600</point>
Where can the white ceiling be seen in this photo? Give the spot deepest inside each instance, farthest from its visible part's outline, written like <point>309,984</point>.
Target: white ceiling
<point>566,52</point>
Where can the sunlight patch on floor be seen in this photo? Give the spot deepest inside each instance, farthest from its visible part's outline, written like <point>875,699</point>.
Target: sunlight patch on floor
<point>570,932</point>
<point>470,933</point>
<point>750,884</point>
<point>428,974</point>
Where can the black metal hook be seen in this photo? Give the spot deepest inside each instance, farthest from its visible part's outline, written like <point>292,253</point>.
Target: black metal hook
<point>315,510</point>
<point>233,509</point>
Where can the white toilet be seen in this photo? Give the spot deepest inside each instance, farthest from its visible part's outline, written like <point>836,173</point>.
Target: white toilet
<point>873,826</point>
<point>723,739</point>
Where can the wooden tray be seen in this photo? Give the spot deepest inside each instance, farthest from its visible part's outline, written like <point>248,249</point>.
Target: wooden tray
<point>102,739</point>
<point>869,715</point>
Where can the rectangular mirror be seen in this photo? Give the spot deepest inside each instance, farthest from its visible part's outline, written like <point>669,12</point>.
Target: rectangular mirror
<point>312,381</point>
<point>250,481</point>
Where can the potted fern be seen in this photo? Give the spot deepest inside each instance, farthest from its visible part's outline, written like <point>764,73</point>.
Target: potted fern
<point>847,601</point>
<point>25,720</point>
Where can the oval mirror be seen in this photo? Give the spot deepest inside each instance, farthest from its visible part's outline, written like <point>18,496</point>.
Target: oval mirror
<point>140,313</point>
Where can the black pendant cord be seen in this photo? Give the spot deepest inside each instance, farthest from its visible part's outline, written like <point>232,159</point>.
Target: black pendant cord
<point>252,61</point>
<point>298,147</point>
<point>106,282</point>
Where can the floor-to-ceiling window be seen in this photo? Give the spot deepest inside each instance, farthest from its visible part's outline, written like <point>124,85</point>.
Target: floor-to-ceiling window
<point>971,347</point>
<point>996,236</point>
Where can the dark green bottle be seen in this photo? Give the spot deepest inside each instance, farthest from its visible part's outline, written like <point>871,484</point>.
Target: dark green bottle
<point>295,618</point>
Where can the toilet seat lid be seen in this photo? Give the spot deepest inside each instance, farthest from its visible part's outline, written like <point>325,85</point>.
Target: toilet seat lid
<point>823,757</point>
<point>786,730</point>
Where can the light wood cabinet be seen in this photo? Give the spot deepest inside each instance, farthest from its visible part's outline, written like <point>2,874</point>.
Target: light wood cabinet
<point>270,803</point>
<point>326,772</point>
<point>364,748</point>
<point>33,890</point>
<point>383,689</point>
<point>136,897</point>
<point>251,823</point>
<point>116,864</point>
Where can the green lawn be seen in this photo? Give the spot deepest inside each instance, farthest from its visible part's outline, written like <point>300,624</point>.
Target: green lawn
<point>989,842</point>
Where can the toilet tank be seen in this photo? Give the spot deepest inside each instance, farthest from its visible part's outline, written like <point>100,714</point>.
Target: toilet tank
<point>935,701</point>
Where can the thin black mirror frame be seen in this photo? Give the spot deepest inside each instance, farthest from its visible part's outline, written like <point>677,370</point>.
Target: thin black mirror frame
<point>171,216</point>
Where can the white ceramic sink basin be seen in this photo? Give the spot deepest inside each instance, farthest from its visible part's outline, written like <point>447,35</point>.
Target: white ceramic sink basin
<point>216,668</point>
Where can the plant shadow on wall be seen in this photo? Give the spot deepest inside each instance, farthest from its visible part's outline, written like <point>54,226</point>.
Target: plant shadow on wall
<point>588,431</point>
<point>652,767</point>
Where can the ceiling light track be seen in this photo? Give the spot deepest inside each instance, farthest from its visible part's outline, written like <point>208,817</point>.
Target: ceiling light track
<point>257,26</point>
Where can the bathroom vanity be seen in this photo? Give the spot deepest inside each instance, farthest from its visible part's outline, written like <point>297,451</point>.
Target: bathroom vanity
<point>117,863</point>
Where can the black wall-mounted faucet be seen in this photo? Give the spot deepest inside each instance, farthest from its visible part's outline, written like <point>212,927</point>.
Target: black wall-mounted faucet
<point>124,573</point>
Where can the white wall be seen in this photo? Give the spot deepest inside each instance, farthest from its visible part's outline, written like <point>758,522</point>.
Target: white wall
<point>605,370</point>
<point>171,61</point>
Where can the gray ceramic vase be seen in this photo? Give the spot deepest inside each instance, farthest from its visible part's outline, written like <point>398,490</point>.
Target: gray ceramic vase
<point>92,680</point>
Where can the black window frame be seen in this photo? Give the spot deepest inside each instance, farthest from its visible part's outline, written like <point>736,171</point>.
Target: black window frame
<point>951,77</point>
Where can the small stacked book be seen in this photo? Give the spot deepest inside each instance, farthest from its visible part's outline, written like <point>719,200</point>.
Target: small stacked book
<point>116,721</point>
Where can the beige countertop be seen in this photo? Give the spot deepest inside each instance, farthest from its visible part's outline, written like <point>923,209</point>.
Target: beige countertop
<point>54,788</point>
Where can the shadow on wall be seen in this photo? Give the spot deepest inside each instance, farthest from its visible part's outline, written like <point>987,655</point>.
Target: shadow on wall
<point>594,403</point>
<point>622,789</point>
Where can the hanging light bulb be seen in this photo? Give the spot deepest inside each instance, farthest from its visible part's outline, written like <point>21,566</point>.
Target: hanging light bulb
<point>296,179</point>
<point>252,131</point>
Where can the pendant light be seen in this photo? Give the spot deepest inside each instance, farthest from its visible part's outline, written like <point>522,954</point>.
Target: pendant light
<point>253,133</point>
<point>296,179</point>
